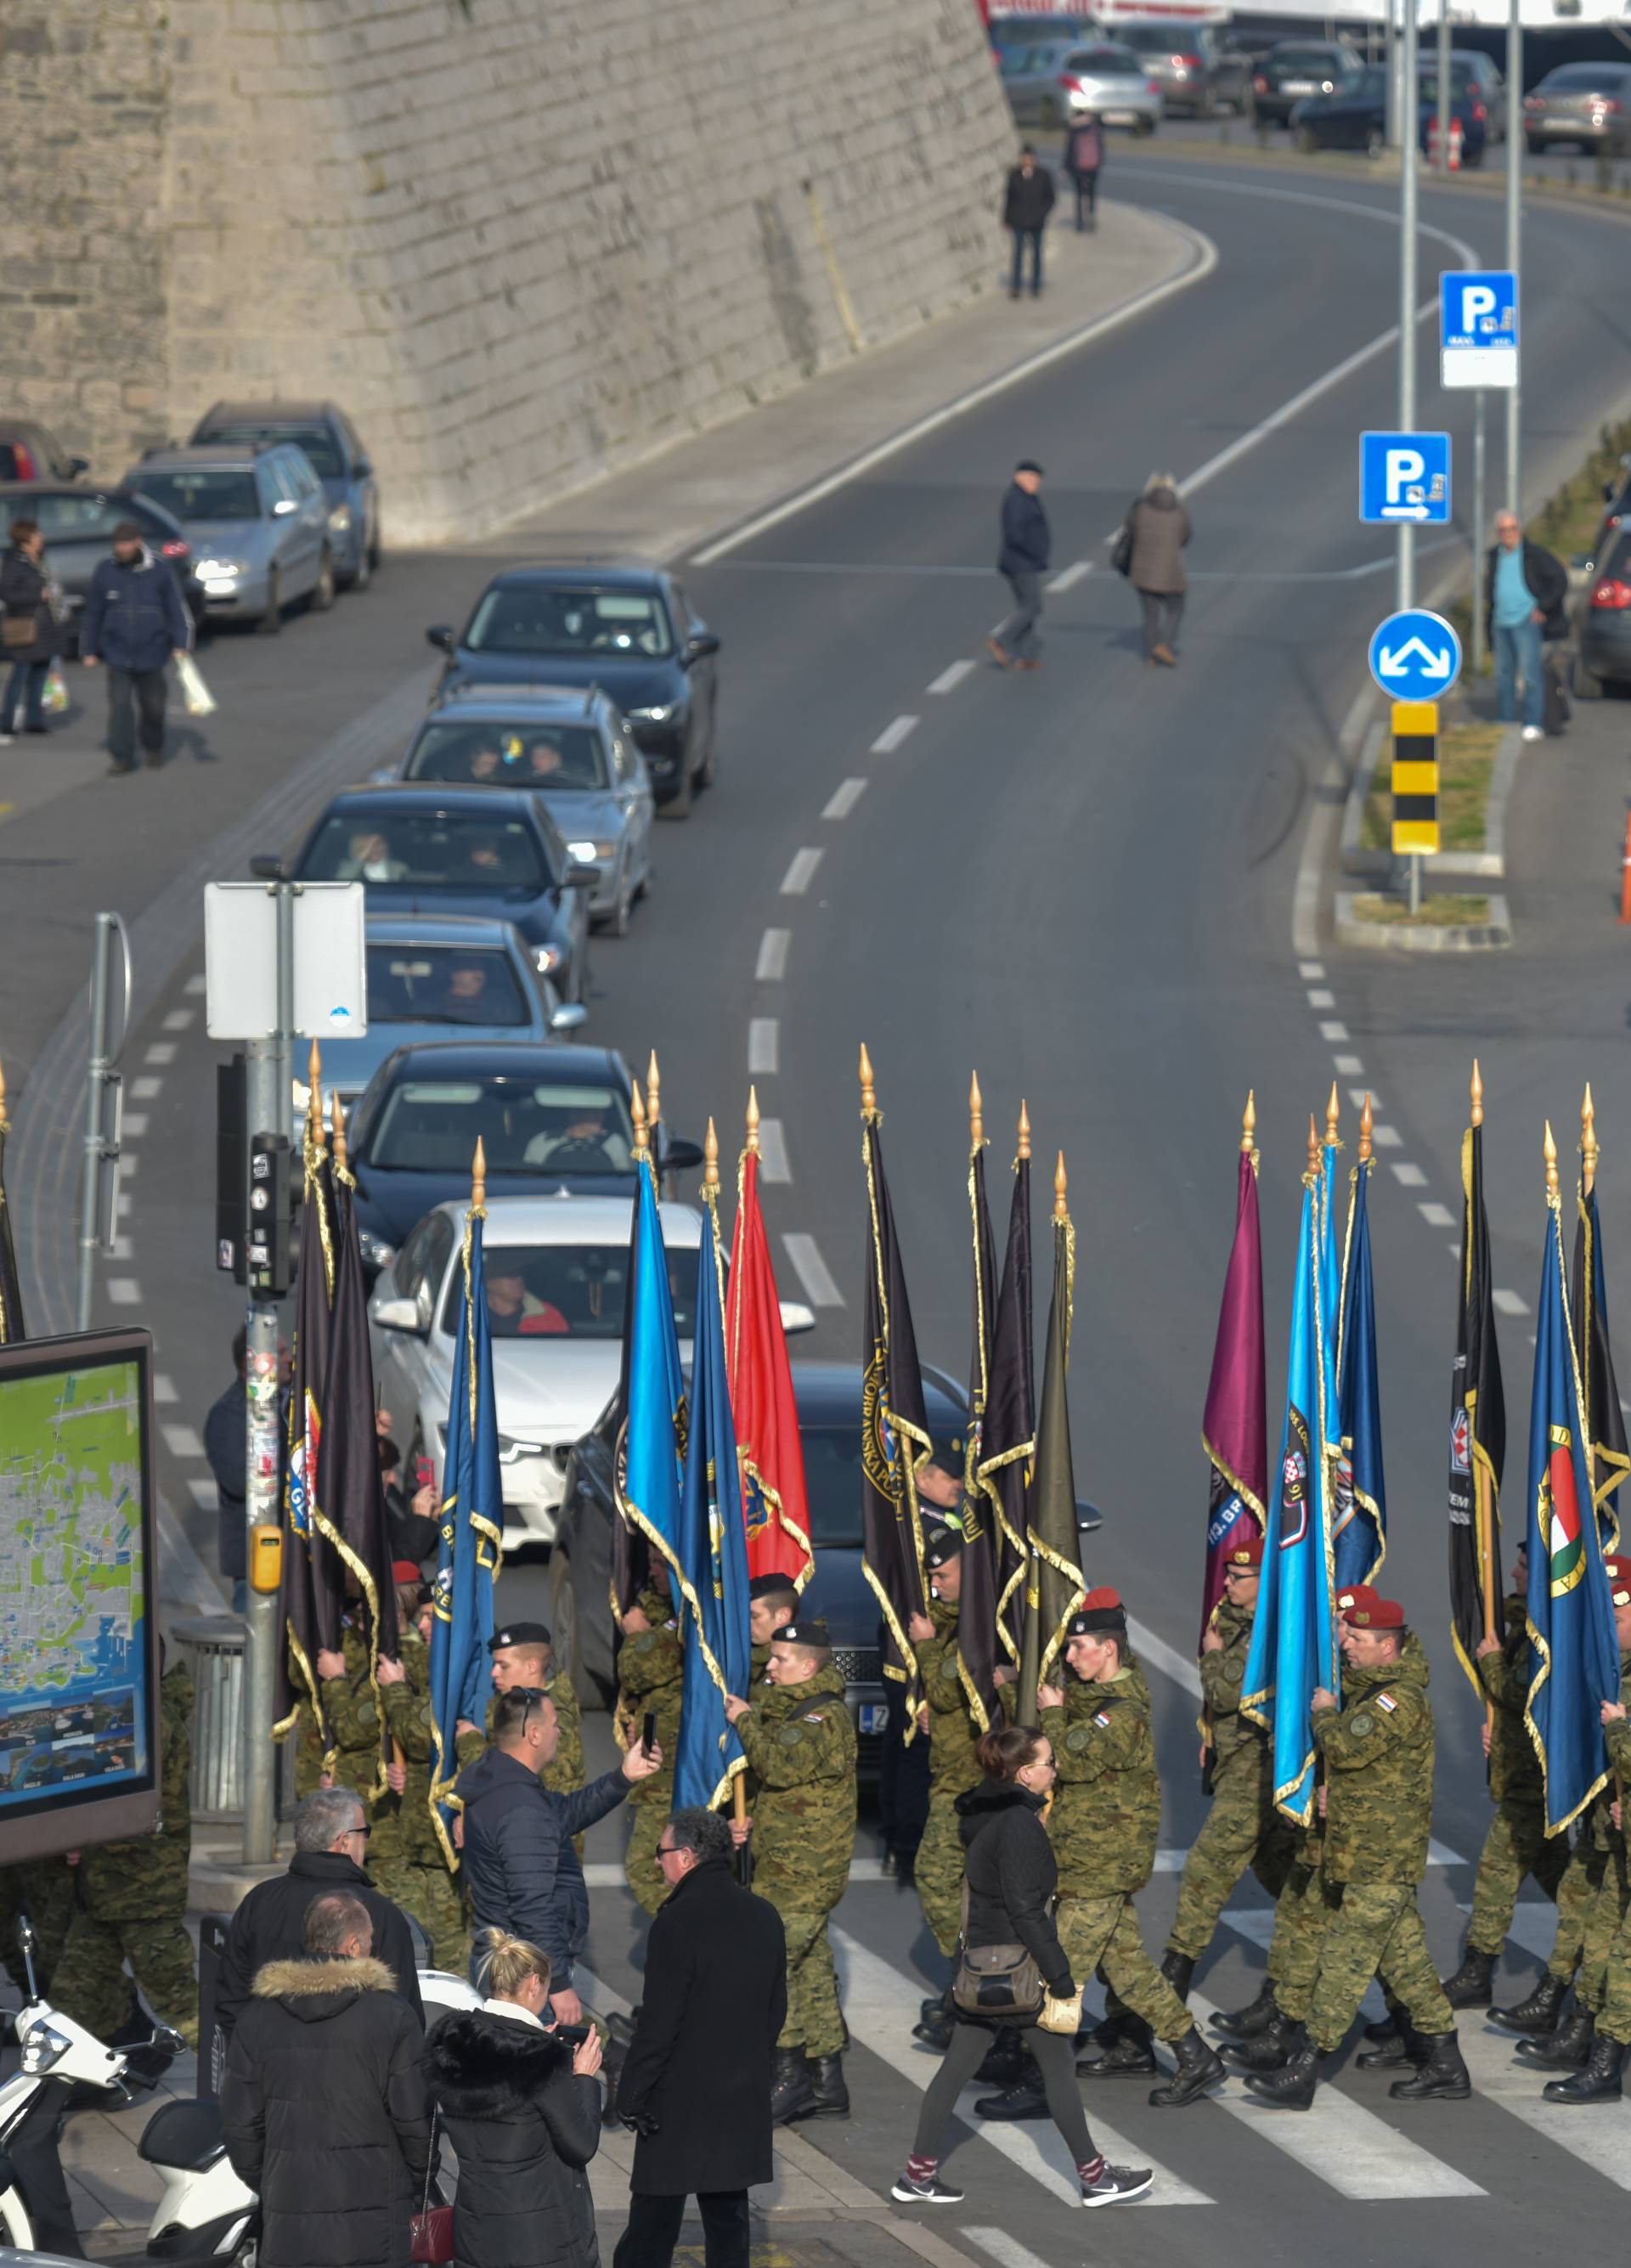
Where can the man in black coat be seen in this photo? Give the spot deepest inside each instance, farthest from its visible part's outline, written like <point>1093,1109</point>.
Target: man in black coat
<point>134,620</point>
<point>330,1842</point>
<point>1026,204</point>
<point>696,2084</point>
<point>324,2108</point>
<point>1022,561</point>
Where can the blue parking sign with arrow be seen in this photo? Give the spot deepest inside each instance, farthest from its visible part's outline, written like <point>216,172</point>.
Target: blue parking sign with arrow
<point>1416,656</point>
<point>1405,477</point>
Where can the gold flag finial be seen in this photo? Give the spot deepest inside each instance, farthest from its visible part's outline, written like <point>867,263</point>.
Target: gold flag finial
<point>753,1119</point>
<point>1366,1120</point>
<point>1549,1152</point>
<point>1024,1131</point>
<point>1313,1144</point>
<point>977,1112</point>
<point>478,1177</point>
<point>1476,1091</point>
<point>1588,1141</point>
<point>1334,1111</point>
<point>653,1090</point>
<point>337,1118</point>
<point>1249,1122</point>
<point>637,1111</point>
<point>3,1124</point>
<point>711,1159</point>
<point>314,1093</point>
<point>868,1088</point>
<point>1061,1210</point>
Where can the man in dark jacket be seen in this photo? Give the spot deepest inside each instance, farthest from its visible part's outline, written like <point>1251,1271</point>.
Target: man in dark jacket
<point>696,2084</point>
<point>134,621</point>
<point>521,1869</point>
<point>1022,561</point>
<point>324,2110</point>
<point>331,1840</point>
<point>1026,204</point>
<point>1524,588</point>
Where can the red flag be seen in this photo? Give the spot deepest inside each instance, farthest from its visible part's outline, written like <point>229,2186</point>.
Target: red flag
<point>768,1447</point>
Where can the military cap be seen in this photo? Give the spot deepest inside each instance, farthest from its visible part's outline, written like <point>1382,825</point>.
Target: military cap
<point>519,1634</point>
<point>942,1547</point>
<point>1363,1608</point>
<point>811,1632</point>
<point>1249,1554</point>
<point>772,1587</point>
<point>1617,1566</point>
<point>1101,1614</point>
<point>406,1571</point>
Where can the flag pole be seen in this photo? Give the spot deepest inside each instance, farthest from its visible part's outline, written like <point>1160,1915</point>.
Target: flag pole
<point>1486,1529</point>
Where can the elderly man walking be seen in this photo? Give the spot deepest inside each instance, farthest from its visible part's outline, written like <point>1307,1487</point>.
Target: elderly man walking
<point>1524,588</point>
<point>134,621</point>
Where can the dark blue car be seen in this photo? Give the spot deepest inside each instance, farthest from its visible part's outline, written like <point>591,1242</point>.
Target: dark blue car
<point>1354,116</point>
<point>339,460</point>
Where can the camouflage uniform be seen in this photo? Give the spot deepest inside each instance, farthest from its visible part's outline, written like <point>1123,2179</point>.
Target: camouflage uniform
<point>405,1857</point>
<point>46,1886</point>
<point>1614,2002</point>
<point>1104,1825</point>
<point>1606,1885</point>
<point>1517,1843</point>
<point>1243,1828</point>
<point>800,1740</point>
<point>353,1720</point>
<point>652,1667</point>
<point>132,1898</point>
<point>952,1772</point>
<point>1378,1749</point>
<point>1301,1914</point>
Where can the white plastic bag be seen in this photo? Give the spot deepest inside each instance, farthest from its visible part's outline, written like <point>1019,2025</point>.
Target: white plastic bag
<point>196,695</point>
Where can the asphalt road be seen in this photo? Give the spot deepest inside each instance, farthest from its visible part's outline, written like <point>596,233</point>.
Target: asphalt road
<point>1082,882</point>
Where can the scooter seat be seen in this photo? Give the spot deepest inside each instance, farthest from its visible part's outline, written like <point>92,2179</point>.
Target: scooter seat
<point>183,2134</point>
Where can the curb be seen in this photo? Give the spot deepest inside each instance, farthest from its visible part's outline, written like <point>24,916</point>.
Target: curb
<point>1492,936</point>
<point>1487,865</point>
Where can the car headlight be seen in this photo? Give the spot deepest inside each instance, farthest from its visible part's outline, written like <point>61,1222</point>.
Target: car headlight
<point>377,1253</point>
<point>220,567</point>
<point>659,715</point>
<point>43,2047</point>
<point>585,851</point>
<point>547,959</point>
<point>340,520</point>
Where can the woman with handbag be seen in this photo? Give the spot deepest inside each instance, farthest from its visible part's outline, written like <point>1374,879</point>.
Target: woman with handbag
<point>1012,1971</point>
<point>522,2108</point>
<point>1149,552</point>
<point>27,629</point>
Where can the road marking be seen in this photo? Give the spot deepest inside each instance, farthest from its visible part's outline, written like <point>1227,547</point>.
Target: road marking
<point>1348,1067</point>
<point>1319,836</point>
<point>1076,572</point>
<point>1204,260</point>
<point>771,966</point>
<point>1004,2249</point>
<point>181,1019</point>
<point>181,1441</point>
<point>1311,972</point>
<point>881,2008</point>
<point>1386,1137</point>
<point>1595,2133</point>
<point>849,792</point>
<point>763,1046</point>
<point>1408,1176</point>
<point>1509,1303</point>
<point>123,1291</point>
<point>127,1162</point>
<point>162,1051</point>
<point>1318,998</point>
<point>144,1090</point>
<point>800,873</point>
<point>164,1388</point>
<point>811,1270</point>
<point>951,677</point>
<point>204,1494</point>
<point>119,1249</point>
<point>134,1124</point>
<point>1332,1031</point>
<point>1436,1215</point>
<point>890,737</point>
<point>1179,1667</point>
<point>773,1165</point>
<point>1359,1096</point>
<point>198,984</point>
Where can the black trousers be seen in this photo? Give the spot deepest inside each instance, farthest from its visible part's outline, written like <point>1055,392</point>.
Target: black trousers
<point>902,1780</point>
<point>148,689</point>
<point>653,2230</point>
<point>1086,188</point>
<point>1163,611</point>
<point>1023,239</point>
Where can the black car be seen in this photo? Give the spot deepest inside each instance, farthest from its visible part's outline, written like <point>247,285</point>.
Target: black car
<point>1295,69</point>
<point>630,630</point>
<point>1603,621</point>
<point>483,850</point>
<point>552,1117</point>
<point>77,523</point>
<point>30,450</point>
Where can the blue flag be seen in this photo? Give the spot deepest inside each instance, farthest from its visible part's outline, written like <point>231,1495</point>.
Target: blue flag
<point>1293,1649</point>
<point>1571,1616</point>
<point>649,1499</point>
<point>713,1557</point>
<point>472,1539</point>
<point>1361,1521</point>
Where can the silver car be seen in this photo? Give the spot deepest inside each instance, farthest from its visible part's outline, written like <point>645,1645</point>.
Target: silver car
<point>572,744</point>
<point>1586,104</point>
<point>257,518</point>
<point>1061,81</point>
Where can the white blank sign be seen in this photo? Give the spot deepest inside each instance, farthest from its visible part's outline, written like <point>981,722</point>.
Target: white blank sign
<point>240,961</point>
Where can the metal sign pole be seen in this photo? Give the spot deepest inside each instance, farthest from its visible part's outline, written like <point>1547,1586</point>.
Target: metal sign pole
<point>1479,525</point>
<point>110,1008</point>
<point>1515,223</point>
<point>1405,586</point>
<point>1443,153</point>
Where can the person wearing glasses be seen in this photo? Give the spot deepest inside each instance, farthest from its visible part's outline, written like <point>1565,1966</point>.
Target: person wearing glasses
<point>330,1851</point>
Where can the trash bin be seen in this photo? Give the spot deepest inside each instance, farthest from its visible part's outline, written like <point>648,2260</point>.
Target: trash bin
<point>215,1648</point>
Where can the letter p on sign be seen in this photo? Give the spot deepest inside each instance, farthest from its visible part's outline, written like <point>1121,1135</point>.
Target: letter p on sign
<point>1404,469</point>
<point>1478,304</point>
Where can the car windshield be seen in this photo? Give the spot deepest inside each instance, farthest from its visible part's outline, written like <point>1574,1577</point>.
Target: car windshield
<point>566,1291</point>
<point>1460,82</point>
<point>1581,78</point>
<point>81,517</point>
<point>1307,62</point>
<point>1367,85</point>
<point>444,984</point>
<point>431,850</point>
<point>527,1126</point>
<point>544,618</point>
<point>202,495</point>
<point>511,756</point>
<point>318,442</point>
<point>1157,39</point>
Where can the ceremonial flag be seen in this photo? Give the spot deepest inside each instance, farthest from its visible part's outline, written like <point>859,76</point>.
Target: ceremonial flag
<point>1007,1433</point>
<point>1478,1422</point>
<point>312,1587</point>
<point>648,1490</point>
<point>768,1441</point>
<point>1055,1583</point>
<point>12,1328</point>
<point>470,1547</point>
<point>1571,1616</point>
<point>1604,1424</point>
<point>1293,1649</point>
<point>976,1611</point>
<point>895,1434</point>
<point>712,1549</point>
<point>1234,1431</point>
<point>1361,1522</point>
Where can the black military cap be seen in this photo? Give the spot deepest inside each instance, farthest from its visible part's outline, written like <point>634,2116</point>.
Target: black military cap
<point>519,1634</point>
<point>812,1633</point>
<point>940,1547</point>
<point>772,1587</point>
<point>1100,1615</point>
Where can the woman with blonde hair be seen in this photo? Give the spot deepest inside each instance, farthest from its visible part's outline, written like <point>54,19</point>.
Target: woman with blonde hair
<point>521,2105</point>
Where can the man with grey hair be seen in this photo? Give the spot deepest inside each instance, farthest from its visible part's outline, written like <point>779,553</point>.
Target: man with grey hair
<point>330,1845</point>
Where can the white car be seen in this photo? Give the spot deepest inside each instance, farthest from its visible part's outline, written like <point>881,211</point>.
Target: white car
<point>557,1270</point>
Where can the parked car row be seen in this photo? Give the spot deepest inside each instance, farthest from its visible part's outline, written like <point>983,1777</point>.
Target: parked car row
<point>1351,113</point>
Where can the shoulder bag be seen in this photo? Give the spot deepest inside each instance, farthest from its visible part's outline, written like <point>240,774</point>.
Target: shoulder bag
<point>432,2225</point>
<point>1121,551</point>
<point>995,1980</point>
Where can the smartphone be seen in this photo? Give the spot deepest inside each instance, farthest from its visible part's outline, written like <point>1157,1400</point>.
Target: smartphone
<point>648,1732</point>
<point>424,1473</point>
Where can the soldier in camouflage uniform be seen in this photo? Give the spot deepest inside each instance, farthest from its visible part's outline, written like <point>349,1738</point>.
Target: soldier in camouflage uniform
<point>131,1900</point>
<point>45,1888</point>
<point>405,1856</point>
<point>523,1654</point>
<point>651,1666</point>
<point>947,1719</point>
<point>772,1602</point>
<point>798,1739</point>
<point>345,1676</point>
<point>1378,1749</point>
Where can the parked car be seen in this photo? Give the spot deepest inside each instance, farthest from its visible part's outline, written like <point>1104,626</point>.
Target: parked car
<point>567,744</point>
<point>258,519</point>
<point>1053,86</point>
<point>1486,84</point>
<point>1293,70</point>
<point>1467,109</point>
<point>1586,104</point>
<point>1193,64</point>
<point>553,1121</point>
<point>1034,27</point>
<point>1352,117</point>
<point>1603,621</point>
<point>630,630</point>
<point>77,523</point>
<point>491,851</point>
<point>1616,510</point>
<point>338,459</point>
<point>31,452</point>
<point>436,977</point>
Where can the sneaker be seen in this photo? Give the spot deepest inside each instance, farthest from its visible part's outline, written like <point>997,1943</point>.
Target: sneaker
<point>1117,2185</point>
<point>1533,733</point>
<point>904,2191</point>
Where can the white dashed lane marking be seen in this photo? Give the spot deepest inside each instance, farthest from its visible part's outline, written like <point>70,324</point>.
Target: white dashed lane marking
<point>1068,578</point>
<point>949,680</point>
<point>1311,972</point>
<point>1509,1303</point>
<point>812,1270</point>
<point>1386,1137</point>
<point>1333,1031</point>
<point>181,1019</point>
<point>890,737</point>
<point>124,1291</point>
<point>198,984</point>
<point>144,1090</point>
<point>763,1046</point>
<point>1436,1216</point>
<point>181,1441</point>
<point>844,797</point>
<point>162,1051</point>
<point>135,1124</point>
<point>1348,1067</point>
<point>1408,1176</point>
<point>204,1494</point>
<point>772,964</point>
<point>800,873</point>
<point>773,1151</point>
<point>1319,998</point>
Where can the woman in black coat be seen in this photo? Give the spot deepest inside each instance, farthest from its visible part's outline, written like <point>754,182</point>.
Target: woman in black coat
<point>522,2109</point>
<point>1012,1879</point>
<point>28,635</point>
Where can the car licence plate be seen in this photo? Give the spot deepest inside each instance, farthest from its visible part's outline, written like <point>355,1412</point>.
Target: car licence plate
<point>1296,86</point>
<point>874,1716</point>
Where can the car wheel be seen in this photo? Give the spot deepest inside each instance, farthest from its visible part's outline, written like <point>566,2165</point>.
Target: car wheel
<point>1472,159</point>
<point>375,549</point>
<point>272,621</point>
<point>678,806</point>
<point>322,589</point>
<point>618,922</point>
<point>645,889</point>
<point>708,771</point>
<point>361,575</point>
<point>1536,149</point>
<point>1585,685</point>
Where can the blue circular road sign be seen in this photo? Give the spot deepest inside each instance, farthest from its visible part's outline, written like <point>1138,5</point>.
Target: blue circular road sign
<point>1416,656</point>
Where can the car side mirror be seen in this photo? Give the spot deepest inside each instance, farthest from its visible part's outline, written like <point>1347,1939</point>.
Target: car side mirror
<point>399,1316</point>
<point>698,649</point>
<point>680,1156</point>
<point>571,1016</point>
<point>1088,1516</point>
<point>78,465</point>
<point>362,470</point>
<point>796,1317</point>
<point>580,877</point>
<point>283,504</point>
<point>440,634</point>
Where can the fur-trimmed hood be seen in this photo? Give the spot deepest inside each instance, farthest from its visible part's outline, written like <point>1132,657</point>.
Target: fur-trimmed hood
<point>314,1989</point>
<point>487,2066</point>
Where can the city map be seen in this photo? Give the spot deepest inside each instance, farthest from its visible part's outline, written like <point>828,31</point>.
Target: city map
<point>73,1703</point>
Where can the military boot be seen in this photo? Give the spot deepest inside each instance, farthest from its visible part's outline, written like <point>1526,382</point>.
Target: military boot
<point>1292,2086</point>
<point>1472,1985</point>
<point>1130,2057</point>
<point>1403,2044</point>
<point>1268,2051</point>
<point>1177,1968</point>
<point>1567,2048</point>
<point>1025,2099</point>
<point>1200,2070</point>
<point>1598,2083</point>
<point>831,2096</point>
<point>1539,2013</point>
<point>1005,2061</point>
<point>1245,2023</point>
<point>792,2093</point>
<point>1441,2078</point>
<point>936,2020</point>
<point>1386,2028</point>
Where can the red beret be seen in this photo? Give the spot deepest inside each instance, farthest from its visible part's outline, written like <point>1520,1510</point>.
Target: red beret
<point>406,1571</point>
<point>1101,1601</point>
<point>1249,1554</point>
<point>1363,1608</point>
<point>1617,1566</point>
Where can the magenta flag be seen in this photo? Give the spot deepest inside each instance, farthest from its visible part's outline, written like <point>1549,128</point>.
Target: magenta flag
<point>1234,1431</point>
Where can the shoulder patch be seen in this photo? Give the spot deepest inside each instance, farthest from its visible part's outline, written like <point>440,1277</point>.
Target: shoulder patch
<point>1361,1725</point>
<point>1386,1701</point>
<point>1101,1717</point>
<point>815,1716</point>
<point>948,1668</point>
<point>792,1735</point>
<point>1077,1739</point>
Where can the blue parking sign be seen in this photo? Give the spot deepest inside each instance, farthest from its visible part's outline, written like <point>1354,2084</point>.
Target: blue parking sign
<point>1405,477</point>
<point>1478,327</point>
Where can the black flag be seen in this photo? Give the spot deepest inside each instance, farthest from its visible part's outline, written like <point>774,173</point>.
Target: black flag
<point>1478,1422</point>
<point>12,1328</point>
<point>1009,1429</point>
<point>976,1611</point>
<point>312,1591</point>
<point>351,1493</point>
<point>1606,1454</point>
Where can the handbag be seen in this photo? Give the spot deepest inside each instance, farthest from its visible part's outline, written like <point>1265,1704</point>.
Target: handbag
<point>432,2226</point>
<point>1061,2015</point>
<point>995,1980</point>
<point>1121,551</point>
<point>19,629</point>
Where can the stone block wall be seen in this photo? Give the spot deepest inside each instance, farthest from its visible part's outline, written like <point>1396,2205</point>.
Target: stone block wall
<point>522,242</point>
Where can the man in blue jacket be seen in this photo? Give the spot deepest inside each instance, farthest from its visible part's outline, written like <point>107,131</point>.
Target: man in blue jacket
<point>1022,561</point>
<point>521,1869</point>
<point>134,621</point>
